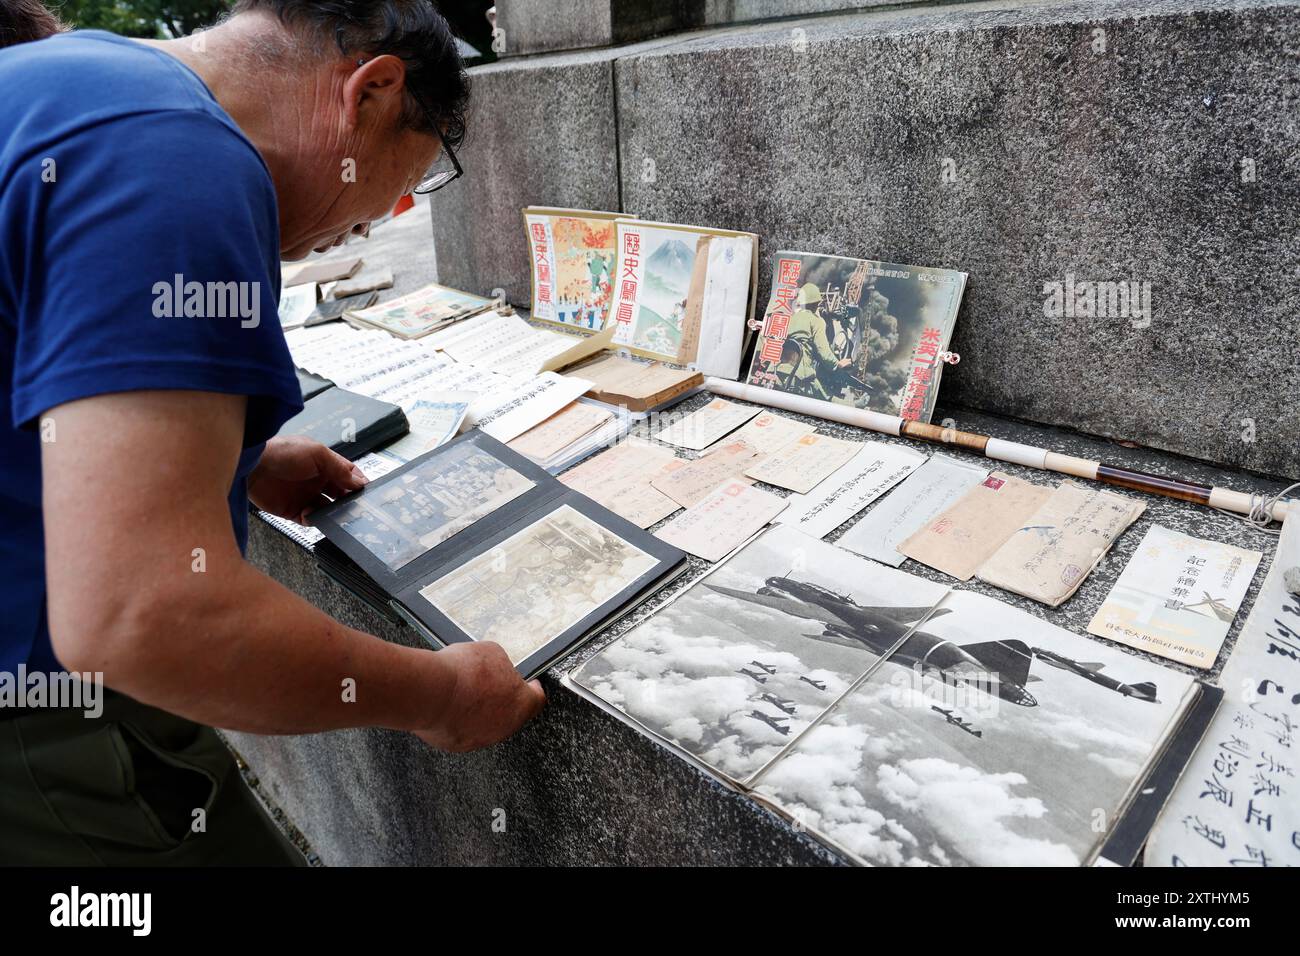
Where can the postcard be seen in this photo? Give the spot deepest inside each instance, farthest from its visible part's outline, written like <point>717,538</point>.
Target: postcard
<point>1061,543</point>
<point>967,533</point>
<point>568,425</point>
<point>689,482</point>
<point>857,332</point>
<point>297,303</point>
<point>804,463</point>
<point>434,420</point>
<point>428,504</point>
<point>368,280</point>
<point>418,313</point>
<point>508,415</point>
<point>714,527</point>
<point>318,272</point>
<point>1235,804</point>
<point>989,738</point>
<point>923,494</point>
<point>864,478</point>
<point>673,295</point>
<point>535,585</point>
<point>621,480</point>
<point>1177,597</point>
<point>575,259</point>
<point>736,667</point>
<point>769,432</point>
<point>706,425</point>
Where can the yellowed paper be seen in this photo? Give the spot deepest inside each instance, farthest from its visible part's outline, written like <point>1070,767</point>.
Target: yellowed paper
<point>1177,597</point>
<point>1060,543</point>
<point>803,463</point>
<point>560,431</point>
<point>706,425</point>
<point>723,521</point>
<point>620,480</point>
<point>691,481</point>
<point>769,432</point>
<point>964,536</point>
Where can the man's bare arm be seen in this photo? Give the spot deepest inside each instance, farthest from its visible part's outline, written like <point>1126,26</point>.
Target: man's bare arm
<point>133,485</point>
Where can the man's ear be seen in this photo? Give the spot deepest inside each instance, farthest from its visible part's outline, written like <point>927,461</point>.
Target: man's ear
<point>374,89</point>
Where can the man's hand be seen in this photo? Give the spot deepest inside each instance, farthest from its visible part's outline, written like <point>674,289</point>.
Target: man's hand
<point>488,702</point>
<point>296,473</point>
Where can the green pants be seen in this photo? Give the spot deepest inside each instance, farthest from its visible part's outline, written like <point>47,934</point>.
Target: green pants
<point>124,789</point>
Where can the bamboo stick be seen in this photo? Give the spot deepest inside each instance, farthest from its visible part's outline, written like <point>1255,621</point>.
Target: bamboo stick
<point>999,450</point>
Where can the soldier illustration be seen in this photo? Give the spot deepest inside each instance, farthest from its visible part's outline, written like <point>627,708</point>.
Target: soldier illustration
<point>807,354</point>
<point>599,269</point>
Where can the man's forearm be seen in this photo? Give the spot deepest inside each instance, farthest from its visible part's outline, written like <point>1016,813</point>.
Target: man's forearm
<point>235,649</point>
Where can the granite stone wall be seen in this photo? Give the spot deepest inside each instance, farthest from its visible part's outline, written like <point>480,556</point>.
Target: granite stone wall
<point>1042,147</point>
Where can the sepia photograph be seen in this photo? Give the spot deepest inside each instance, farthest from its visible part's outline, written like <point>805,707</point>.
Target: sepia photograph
<point>739,665</point>
<point>404,517</point>
<point>531,588</point>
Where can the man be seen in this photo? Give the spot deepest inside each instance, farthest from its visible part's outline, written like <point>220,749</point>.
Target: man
<point>22,21</point>
<point>133,442</point>
<point>807,352</point>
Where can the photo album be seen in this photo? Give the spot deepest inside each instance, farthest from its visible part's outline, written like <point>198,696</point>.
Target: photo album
<point>474,542</point>
<point>899,720</point>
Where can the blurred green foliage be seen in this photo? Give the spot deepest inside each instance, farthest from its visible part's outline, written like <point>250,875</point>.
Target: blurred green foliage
<point>173,18</point>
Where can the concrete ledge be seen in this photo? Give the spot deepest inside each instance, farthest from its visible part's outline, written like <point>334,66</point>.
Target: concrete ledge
<point>577,786</point>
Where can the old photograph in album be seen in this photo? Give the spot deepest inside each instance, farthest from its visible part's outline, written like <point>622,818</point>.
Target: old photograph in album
<point>472,541</point>
<point>857,332</point>
<point>574,262</point>
<point>543,584</point>
<point>898,721</point>
<point>684,294</point>
<point>1024,747</point>
<point>733,669</point>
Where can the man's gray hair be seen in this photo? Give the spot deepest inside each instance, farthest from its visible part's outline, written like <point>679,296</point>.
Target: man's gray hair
<point>412,30</point>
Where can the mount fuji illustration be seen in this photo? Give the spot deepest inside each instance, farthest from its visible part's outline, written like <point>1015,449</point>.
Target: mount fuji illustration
<point>670,267</point>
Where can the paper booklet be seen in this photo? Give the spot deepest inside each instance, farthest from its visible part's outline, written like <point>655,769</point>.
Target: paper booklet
<point>418,313</point>
<point>637,386</point>
<point>473,542</point>
<point>348,423</point>
<point>1236,803</point>
<point>685,294</point>
<point>573,257</point>
<point>903,723</point>
<point>857,332</point>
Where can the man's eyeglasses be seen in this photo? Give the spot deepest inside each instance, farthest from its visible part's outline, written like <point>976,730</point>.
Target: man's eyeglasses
<point>438,175</point>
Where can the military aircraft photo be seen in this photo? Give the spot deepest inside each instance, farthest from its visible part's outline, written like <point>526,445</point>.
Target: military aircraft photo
<point>999,667</point>
<point>780,703</point>
<point>1090,670</point>
<point>758,678</point>
<point>773,722</point>
<point>957,721</point>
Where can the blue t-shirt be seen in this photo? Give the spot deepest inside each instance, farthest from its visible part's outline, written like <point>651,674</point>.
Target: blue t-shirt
<point>122,184</point>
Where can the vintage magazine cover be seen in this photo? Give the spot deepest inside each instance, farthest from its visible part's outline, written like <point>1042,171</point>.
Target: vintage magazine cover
<point>425,310</point>
<point>574,257</point>
<point>857,332</point>
<point>685,294</point>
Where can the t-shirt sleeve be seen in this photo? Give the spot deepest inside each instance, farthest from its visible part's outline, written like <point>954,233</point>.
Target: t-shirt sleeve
<point>151,261</point>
